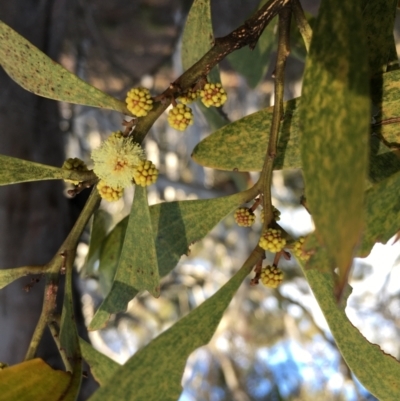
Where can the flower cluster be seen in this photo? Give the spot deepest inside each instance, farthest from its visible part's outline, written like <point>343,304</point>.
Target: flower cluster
<point>275,211</point>
<point>116,159</point>
<point>244,217</point>
<point>115,136</point>
<point>189,97</point>
<point>180,117</point>
<point>108,193</point>
<point>213,95</point>
<point>271,276</point>
<point>74,164</point>
<point>298,251</point>
<point>139,101</point>
<point>145,173</point>
<point>271,240</point>
<point>119,162</point>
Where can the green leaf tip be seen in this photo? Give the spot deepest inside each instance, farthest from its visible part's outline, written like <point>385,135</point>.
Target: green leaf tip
<point>335,121</point>
<point>39,74</point>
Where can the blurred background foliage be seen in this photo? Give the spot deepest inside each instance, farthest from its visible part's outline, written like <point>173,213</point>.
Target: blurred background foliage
<point>271,344</point>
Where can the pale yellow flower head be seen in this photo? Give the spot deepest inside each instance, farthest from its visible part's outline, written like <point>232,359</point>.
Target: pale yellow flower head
<point>116,160</point>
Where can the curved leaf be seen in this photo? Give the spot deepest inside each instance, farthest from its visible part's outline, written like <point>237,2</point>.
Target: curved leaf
<point>69,339</point>
<point>176,225</point>
<point>335,118</point>
<point>100,226</point>
<point>7,276</point>
<point>197,38</point>
<point>155,372</point>
<point>253,63</point>
<point>386,107</point>
<point>109,256</point>
<point>381,213</point>
<point>137,267</point>
<point>33,380</point>
<point>101,366</point>
<point>39,74</point>
<point>376,370</point>
<point>138,255</point>
<point>242,144</point>
<point>378,19</point>
<point>14,170</point>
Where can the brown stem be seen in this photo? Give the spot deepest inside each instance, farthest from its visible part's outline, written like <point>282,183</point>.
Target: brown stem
<point>62,259</point>
<point>55,332</point>
<point>246,34</point>
<point>265,180</point>
<point>256,203</point>
<point>388,121</point>
<point>257,270</point>
<point>49,305</point>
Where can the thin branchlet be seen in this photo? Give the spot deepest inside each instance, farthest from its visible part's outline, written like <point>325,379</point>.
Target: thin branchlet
<point>246,34</point>
<point>265,180</point>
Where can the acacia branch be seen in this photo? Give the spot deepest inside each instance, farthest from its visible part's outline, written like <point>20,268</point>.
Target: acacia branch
<point>265,180</point>
<point>61,260</point>
<point>246,34</point>
<point>55,332</point>
<point>49,305</point>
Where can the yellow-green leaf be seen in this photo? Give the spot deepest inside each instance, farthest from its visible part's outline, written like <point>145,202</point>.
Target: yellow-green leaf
<point>381,213</point>
<point>335,118</point>
<point>176,225</point>
<point>155,372</point>
<point>253,63</point>
<point>69,339</point>
<point>386,107</point>
<point>109,256</point>
<point>242,144</point>
<point>39,74</point>
<point>137,266</point>
<point>198,37</point>
<point>376,370</point>
<point>99,228</point>
<point>33,380</point>
<point>101,366</point>
<point>139,251</point>
<point>14,170</point>
<point>378,18</point>
<point>7,276</point>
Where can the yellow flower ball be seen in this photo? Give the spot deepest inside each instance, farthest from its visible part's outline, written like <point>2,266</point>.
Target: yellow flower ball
<point>275,211</point>
<point>145,174</point>
<point>74,164</point>
<point>115,136</point>
<point>116,159</point>
<point>271,240</point>
<point>108,193</point>
<point>298,251</point>
<point>244,217</point>
<point>213,95</point>
<point>180,117</point>
<point>139,101</point>
<point>271,276</point>
<point>189,96</point>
